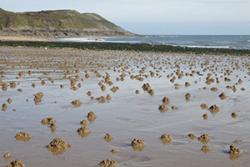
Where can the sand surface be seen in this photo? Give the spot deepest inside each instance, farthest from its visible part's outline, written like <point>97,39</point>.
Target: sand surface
<point>126,115</point>
<point>23,38</point>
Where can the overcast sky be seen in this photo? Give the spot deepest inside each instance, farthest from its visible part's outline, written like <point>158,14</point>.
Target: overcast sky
<point>156,16</point>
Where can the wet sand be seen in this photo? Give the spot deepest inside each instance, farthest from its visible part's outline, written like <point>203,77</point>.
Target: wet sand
<point>22,38</point>
<point>66,75</point>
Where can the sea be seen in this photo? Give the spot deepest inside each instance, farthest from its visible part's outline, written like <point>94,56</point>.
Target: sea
<point>193,41</point>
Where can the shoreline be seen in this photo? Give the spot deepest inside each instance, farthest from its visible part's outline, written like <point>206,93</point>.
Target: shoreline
<point>23,38</point>
<point>142,47</point>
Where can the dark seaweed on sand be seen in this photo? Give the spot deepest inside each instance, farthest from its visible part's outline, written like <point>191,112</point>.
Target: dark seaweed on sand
<point>125,46</point>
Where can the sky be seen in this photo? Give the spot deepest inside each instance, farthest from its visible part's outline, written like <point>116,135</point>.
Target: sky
<point>179,17</point>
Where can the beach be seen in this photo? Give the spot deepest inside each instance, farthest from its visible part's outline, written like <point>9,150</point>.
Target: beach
<point>22,38</point>
<point>133,95</point>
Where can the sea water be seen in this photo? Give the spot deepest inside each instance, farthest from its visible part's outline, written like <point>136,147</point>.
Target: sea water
<point>199,41</point>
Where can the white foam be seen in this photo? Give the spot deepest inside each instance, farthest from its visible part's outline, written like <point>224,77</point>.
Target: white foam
<point>98,39</point>
<point>206,46</point>
<point>81,39</point>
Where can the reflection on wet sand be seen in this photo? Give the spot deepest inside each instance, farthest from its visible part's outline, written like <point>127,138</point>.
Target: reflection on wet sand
<point>201,101</point>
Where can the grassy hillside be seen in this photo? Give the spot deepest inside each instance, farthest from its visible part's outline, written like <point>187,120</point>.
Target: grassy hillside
<point>56,23</point>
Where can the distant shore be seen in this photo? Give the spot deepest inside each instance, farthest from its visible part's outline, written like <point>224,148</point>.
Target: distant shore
<point>47,43</point>
<point>22,38</point>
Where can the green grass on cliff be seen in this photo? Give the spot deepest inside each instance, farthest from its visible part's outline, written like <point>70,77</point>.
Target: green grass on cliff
<point>58,19</point>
